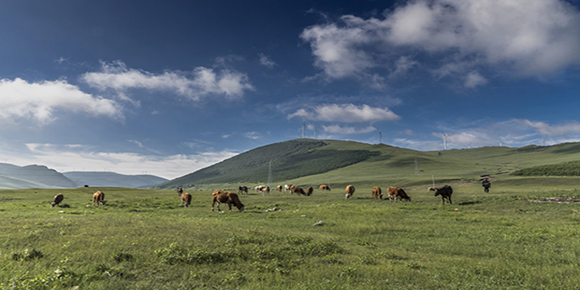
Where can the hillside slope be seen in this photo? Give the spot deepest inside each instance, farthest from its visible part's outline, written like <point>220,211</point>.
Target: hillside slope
<point>311,162</point>
<point>285,160</point>
<point>112,179</point>
<point>40,176</point>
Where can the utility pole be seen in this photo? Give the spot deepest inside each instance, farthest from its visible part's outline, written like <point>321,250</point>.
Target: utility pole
<point>303,128</point>
<point>416,167</point>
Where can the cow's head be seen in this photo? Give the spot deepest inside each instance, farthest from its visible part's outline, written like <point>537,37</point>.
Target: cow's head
<point>103,202</point>
<point>348,196</point>
<point>242,208</point>
<point>52,204</point>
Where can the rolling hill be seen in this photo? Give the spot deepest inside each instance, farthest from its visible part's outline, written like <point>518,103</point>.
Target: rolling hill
<point>39,176</point>
<point>112,179</point>
<point>306,161</point>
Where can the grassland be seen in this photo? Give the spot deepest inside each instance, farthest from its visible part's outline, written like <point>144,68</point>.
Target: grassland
<point>144,239</point>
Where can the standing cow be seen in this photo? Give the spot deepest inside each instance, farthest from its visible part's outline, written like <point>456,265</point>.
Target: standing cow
<point>377,192</point>
<point>57,199</point>
<point>179,191</point>
<point>309,191</point>
<point>242,189</point>
<point>349,191</point>
<point>230,198</point>
<point>99,198</point>
<point>397,193</point>
<point>444,191</point>
<point>186,199</point>
<point>297,190</point>
<point>324,187</point>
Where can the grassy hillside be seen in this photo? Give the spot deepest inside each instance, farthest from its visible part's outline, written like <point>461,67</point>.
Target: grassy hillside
<point>287,160</point>
<point>313,162</point>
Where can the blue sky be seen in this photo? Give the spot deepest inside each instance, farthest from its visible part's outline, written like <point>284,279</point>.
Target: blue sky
<point>170,87</point>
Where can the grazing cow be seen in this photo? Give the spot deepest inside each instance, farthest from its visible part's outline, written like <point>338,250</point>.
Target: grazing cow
<point>287,188</point>
<point>297,190</point>
<point>186,199</point>
<point>397,192</point>
<point>324,187</point>
<point>99,198</point>
<point>242,189</point>
<point>377,192</point>
<point>179,191</point>
<point>349,191</point>
<point>230,198</point>
<point>279,188</point>
<point>444,191</point>
<point>57,199</point>
<point>265,190</point>
<point>309,191</point>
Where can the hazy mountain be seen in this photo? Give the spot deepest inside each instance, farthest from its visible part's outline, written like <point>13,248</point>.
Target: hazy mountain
<point>39,176</point>
<point>111,179</point>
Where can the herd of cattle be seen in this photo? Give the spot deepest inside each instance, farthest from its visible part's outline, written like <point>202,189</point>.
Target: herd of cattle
<point>231,198</point>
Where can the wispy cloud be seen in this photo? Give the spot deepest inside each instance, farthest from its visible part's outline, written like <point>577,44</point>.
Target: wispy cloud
<point>266,61</point>
<point>336,129</point>
<point>202,82</point>
<point>345,113</point>
<point>513,133</point>
<point>41,100</point>
<point>531,38</point>
<point>253,135</point>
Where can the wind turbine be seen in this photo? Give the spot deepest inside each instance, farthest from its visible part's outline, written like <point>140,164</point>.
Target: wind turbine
<point>444,141</point>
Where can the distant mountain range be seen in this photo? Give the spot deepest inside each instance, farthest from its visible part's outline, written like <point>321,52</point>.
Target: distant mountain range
<point>39,176</point>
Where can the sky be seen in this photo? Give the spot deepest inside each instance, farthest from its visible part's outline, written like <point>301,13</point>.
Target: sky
<point>169,87</point>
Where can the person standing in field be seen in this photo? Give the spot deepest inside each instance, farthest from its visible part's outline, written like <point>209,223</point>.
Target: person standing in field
<point>486,184</point>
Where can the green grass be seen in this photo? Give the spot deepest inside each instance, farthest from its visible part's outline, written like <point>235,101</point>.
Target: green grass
<point>144,239</point>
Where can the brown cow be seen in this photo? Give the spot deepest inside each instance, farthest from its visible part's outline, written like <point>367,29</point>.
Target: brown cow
<point>397,192</point>
<point>265,190</point>
<point>186,199</point>
<point>297,190</point>
<point>279,188</point>
<point>99,198</point>
<point>377,192</point>
<point>324,187</point>
<point>349,191</point>
<point>309,191</point>
<point>288,187</point>
<point>57,199</point>
<point>230,198</point>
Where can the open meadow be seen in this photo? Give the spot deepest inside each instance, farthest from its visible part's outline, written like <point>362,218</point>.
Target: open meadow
<point>145,239</point>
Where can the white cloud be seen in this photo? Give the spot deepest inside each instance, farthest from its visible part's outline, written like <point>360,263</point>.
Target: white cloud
<point>266,61</point>
<point>198,84</point>
<point>253,135</point>
<point>346,113</point>
<point>474,79</point>
<point>528,38</point>
<point>40,101</point>
<point>547,130</point>
<point>336,129</point>
<point>82,158</point>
